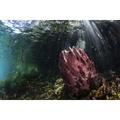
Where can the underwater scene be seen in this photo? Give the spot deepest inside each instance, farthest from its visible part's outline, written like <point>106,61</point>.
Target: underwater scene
<point>59,59</point>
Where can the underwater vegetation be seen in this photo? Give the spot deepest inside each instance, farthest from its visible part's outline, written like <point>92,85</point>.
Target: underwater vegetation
<point>30,87</point>
<point>33,87</point>
<point>38,62</point>
<point>109,87</point>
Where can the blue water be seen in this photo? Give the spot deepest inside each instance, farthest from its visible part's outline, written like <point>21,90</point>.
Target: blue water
<point>5,60</point>
<point>4,68</point>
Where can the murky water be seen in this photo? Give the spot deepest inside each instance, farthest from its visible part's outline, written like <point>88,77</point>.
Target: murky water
<point>92,41</point>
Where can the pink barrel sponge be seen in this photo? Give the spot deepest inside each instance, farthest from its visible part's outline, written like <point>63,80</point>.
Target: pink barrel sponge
<point>77,70</point>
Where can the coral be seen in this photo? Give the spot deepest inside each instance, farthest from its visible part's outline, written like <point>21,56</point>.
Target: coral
<point>53,91</point>
<point>77,70</point>
<point>109,88</point>
<point>58,87</point>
